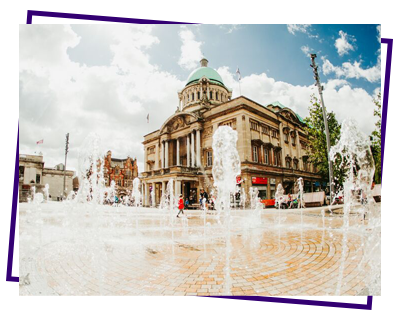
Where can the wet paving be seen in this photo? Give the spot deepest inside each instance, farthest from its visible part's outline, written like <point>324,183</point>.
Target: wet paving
<point>129,251</point>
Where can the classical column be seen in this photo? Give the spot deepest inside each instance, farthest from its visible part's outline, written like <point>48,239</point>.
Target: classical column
<point>177,188</point>
<point>153,189</point>
<point>166,153</point>
<point>283,146</point>
<point>188,151</point>
<point>146,192</point>
<point>162,188</point>
<point>177,153</point>
<point>298,148</point>
<point>198,153</point>
<point>145,159</point>
<point>162,155</point>
<point>192,147</point>
<point>157,166</point>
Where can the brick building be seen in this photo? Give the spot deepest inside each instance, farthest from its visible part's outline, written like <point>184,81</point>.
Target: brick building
<point>122,171</point>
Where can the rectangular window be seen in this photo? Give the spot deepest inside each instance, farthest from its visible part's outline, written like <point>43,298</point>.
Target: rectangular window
<point>21,171</point>
<point>254,125</point>
<point>266,156</point>
<point>192,96</point>
<point>293,140</point>
<point>255,154</point>
<point>38,178</point>
<point>274,133</point>
<point>209,158</point>
<point>211,95</point>
<point>198,95</point>
<point>216,96</point>
<point>264,130</point>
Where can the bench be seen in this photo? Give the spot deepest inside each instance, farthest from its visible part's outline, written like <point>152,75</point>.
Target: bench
<point>314,199</point>
<point>194,206</point>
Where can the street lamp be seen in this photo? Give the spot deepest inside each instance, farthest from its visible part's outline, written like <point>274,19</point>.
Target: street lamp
<point>328,139</point>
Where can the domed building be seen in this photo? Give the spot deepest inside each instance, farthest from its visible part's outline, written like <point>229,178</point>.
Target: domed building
<point>271,142</point>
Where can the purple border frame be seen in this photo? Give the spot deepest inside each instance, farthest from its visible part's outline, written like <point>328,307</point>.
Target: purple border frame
<point>15,302</point>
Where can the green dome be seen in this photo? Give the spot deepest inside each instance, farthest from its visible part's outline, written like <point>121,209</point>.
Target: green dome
<point>207,72</point>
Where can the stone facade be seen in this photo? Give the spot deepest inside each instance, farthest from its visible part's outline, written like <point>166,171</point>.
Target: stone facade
<point>122,171</point>
<point>55,179</point>
<point>32,173</point>
<point>271,142</point>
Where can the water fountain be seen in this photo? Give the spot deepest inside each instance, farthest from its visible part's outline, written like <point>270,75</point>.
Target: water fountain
<point>354,151</point>
<point>226,168</point>
<point>88,227</point>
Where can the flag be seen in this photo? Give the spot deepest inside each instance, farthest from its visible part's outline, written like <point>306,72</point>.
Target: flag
<point>238,73</point>
<point>40,142</point>
<point>148,117</point>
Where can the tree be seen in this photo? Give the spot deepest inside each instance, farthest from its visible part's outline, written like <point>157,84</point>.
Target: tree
<point>317,150</point>
<point>376,139</point>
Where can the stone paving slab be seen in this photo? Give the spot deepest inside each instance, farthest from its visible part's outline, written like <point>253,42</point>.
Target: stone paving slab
<point>125,251</point>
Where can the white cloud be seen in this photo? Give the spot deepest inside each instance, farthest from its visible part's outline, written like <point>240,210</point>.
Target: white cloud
<point>344,43</point>
<point>339,96</point>
<point>59,96</point>
<point>378,29</point>
<point>190,49</point>
<point>293,28</point>
<point>306,50</point>
<point>355,70</point>
<point>229,28</point>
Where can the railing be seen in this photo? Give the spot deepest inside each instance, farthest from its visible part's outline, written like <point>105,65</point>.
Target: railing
<point>172,169</point>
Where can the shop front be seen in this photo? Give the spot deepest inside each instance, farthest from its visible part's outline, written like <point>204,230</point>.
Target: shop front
<point>261,183</point>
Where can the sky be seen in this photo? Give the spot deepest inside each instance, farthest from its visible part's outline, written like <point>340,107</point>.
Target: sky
<point>106,79</point>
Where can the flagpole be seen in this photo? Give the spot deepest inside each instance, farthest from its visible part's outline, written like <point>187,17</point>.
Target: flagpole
<point>65,163</point>
<point>239,78</point>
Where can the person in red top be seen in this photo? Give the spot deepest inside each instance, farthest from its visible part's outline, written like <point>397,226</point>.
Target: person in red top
<point>180,206</point>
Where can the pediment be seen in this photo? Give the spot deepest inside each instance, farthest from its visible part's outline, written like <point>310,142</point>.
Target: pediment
<point>177,122</point>
<point>289,116</point>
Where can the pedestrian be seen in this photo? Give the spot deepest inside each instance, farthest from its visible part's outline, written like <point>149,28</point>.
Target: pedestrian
<point>180,206</point>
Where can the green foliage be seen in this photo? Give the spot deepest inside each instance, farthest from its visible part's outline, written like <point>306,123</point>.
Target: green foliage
<point>376,139</point>
<point>317,149</point>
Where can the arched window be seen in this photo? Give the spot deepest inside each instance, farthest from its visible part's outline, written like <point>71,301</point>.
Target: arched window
<point>286,137</point>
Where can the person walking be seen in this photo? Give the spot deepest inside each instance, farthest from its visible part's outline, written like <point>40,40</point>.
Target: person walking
<point>180,206</point>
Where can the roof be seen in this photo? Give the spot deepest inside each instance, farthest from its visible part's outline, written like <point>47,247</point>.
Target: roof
<point>207,72</point>
<point>280,105</point>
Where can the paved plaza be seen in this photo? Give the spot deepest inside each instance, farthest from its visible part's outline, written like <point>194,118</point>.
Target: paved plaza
<point>128,251</point>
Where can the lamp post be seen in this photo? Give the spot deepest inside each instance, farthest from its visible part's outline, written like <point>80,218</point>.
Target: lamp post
<point>65,163</point>
<point>328,139</point>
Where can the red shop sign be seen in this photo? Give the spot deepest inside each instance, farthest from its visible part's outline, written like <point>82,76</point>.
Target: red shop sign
<point>259,180</point>
<point>238,180</point>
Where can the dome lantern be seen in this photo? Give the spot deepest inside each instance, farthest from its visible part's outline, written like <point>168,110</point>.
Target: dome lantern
<point>204,62</point>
